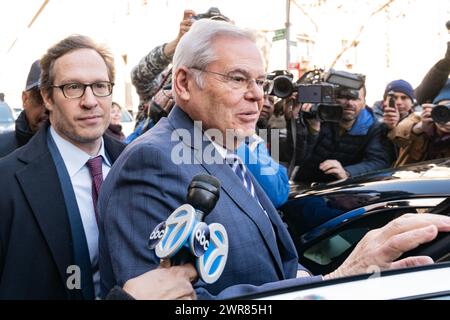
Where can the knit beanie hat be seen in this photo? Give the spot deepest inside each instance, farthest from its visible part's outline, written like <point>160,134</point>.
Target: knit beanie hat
<point>400,86</point>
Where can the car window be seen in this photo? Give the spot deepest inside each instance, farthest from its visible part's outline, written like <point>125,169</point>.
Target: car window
<point>323,249</point>
<point>5,114</point>
<point>126,116</point>
<point>326,250</point>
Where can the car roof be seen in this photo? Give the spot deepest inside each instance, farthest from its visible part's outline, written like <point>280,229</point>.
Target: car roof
<point>434,172</point>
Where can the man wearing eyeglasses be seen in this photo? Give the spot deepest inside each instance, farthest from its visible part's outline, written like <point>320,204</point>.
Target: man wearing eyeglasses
<point>48,219</point>
<point>218,79</point>
<point>48,215</point>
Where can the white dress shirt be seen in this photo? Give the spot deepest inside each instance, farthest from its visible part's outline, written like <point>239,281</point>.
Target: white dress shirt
<point>75,160</point>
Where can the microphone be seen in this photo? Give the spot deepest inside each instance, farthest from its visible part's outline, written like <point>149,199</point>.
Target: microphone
<point>185,237</point>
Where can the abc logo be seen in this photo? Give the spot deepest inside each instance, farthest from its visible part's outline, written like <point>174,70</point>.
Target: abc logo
<point>156,235</point>
<point>199,242</point>
<point>200,236</point>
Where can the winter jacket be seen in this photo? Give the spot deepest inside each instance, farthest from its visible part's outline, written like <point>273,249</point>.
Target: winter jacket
<point>10,141</point>
<point>362,149</point>
<point>418,147</point>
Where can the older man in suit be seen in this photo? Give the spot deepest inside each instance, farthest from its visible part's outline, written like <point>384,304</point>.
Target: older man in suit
<point>218,79</point>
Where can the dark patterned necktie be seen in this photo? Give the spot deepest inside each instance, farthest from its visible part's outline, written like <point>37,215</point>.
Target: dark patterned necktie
<point>95,169</point>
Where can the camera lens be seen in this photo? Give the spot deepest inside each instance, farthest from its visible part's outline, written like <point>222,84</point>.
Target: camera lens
<point>441,114</point>
<point>282,87</point>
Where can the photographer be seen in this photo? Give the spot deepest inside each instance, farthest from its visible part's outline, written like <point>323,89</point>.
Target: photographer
<point>338,150</point>
<point>435,78</point>
<point>398,103</point>
<point>152,73</point>
<point>149,74</point>
<point>427,136</point>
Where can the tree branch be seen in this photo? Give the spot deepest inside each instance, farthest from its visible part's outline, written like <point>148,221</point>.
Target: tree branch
<point>360,31</point>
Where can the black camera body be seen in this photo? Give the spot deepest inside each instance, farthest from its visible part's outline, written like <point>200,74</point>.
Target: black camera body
<point>441,113</point>
<point>213,13</point>
<point>320,89</point>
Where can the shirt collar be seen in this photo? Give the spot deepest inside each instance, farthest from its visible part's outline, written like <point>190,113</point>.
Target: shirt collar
<point>252,142</point>
<point>222,151</point>
<point>75,158</point>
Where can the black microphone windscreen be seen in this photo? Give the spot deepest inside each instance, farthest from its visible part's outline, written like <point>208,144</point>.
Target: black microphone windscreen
<point>207,179</point>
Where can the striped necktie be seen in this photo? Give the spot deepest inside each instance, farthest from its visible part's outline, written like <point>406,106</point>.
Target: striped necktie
<point>241,171</point>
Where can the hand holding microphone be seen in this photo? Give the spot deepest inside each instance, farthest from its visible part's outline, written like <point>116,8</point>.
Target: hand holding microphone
<point>184,237</point>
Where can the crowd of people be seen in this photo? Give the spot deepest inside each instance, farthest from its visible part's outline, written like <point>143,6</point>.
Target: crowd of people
<point>80,199</point>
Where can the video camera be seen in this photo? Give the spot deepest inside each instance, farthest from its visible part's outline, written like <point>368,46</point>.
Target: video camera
<point>213,13</point>
<point>441,113</point>
<point>322,89</point>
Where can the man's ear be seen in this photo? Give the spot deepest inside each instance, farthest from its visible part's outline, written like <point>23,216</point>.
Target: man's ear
<point>48,102</point>
<point>181,83</point>
<point>25,98</point>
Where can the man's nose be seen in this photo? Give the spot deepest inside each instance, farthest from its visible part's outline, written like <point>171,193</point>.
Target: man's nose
<point>254,91</point>
<point>89,100</point>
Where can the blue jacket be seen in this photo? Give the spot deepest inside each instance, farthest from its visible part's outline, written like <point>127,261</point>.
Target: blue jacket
<point>362,149</point>
<point>270,175</point>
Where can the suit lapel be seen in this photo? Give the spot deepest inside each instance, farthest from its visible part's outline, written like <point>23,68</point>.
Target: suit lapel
<point>40,184</point>
<point>232,186</point>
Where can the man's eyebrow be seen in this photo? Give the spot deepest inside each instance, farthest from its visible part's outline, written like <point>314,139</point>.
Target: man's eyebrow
<point>74,80</point>
<point>246,73</point>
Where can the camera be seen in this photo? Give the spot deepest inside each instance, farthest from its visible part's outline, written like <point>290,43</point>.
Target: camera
<point>213,13</point>
<point>441,113</point>
<point>322,89</point>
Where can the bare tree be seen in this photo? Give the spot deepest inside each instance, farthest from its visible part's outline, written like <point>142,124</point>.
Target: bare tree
<point>354,42</point>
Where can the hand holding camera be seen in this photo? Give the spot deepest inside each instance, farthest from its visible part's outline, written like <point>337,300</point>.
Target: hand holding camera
<point>213,13</point>
<point>321,89</point>
<point>432,115</point>
<point>313,122</point>
<point>391,115</point>
<point>185,25</point>
<point>426,122</point>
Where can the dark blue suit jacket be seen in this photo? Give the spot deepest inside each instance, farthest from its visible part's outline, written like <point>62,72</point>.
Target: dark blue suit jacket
<point>145,186</point>
<point>35,235</point>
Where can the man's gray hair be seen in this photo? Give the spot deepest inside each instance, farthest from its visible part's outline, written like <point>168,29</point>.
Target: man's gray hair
<point>195,48</point>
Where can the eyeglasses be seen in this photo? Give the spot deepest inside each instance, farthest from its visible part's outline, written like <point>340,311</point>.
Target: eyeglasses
<point>239,81</point>
<point>76,90</point>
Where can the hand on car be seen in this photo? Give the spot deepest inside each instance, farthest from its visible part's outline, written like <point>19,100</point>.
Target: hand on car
<point>381,247</point>
<point>335,168</point>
